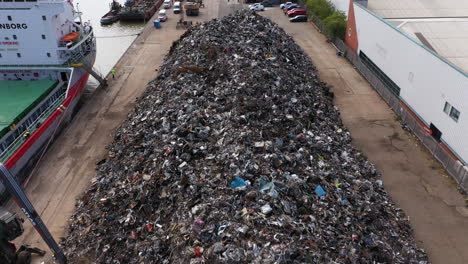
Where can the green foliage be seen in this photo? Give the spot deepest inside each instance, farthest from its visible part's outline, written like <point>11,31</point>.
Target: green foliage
<point>321,8</point>
<point>334,21</point>
<point>336,24</point>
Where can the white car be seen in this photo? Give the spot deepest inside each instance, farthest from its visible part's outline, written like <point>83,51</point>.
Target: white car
<point>257,8</point>
<point>167,4</point>
<point>162,15</point>
<point>283,6</point>
<point>177,7</point>
<point>252,5</point>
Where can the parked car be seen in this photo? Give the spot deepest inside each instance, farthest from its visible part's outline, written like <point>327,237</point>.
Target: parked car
<point>177,8</point>
<point>252,5</point>
<point>257,8</point>
<point>167,4</point>
<point>266,3</point>
<point>297,11</point>
<point>283,6</point>
<point>290,7</point>
<point>162,16</point>
<point>299,18</point>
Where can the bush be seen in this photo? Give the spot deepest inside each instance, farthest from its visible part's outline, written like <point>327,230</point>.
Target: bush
<point>336,25</point>
<point>334,21</point>
<point>320,8</point>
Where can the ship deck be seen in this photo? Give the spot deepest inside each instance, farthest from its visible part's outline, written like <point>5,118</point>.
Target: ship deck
<point>18,98</point>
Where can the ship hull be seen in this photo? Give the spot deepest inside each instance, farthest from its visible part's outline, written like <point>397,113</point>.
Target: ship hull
<point>22,162</point>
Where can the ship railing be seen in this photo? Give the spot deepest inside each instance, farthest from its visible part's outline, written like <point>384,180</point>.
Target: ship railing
<point>87,34</point>
<point>34,125</point>
<point>75,58</point>
<point>79,55</point>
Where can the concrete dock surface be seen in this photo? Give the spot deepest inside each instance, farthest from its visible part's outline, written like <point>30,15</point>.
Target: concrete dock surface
<point>413,179</point>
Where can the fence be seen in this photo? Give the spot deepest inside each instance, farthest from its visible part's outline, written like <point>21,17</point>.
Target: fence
<point>452,165</point>
<point>320,26</point>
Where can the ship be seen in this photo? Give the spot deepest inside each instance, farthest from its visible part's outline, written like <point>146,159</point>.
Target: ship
<point>113,15</point>
<point>46,55</point>
<point>139,10</point>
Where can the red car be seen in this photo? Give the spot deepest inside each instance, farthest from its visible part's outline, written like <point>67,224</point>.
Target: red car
<point>296,12</point>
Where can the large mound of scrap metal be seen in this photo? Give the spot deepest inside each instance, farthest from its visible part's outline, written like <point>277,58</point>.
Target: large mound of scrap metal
<point>236,154</point>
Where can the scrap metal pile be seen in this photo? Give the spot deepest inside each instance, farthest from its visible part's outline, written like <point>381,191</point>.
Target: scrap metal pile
<point>236,154</point>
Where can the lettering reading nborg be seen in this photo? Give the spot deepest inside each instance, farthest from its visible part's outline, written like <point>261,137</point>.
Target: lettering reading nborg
<point>13,26</point>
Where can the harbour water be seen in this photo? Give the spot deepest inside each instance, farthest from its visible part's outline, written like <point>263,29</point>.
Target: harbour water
<point>112,40</point>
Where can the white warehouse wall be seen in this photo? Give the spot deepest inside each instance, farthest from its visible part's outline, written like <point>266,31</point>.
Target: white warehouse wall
<point>341,5</point>
<point>426,80</point>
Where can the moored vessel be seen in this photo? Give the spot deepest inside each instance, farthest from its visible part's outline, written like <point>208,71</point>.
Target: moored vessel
<point>46,54</point>
<point>139,10</point>
<point>113,15</point>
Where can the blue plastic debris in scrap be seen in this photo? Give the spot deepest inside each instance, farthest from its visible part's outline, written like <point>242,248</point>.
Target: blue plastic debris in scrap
<point>237,182</point>
<point>320,191</point>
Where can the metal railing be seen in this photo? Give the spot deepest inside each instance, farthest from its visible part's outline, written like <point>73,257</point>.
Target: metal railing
<point>83,36</point>
<point>16,144</point>
<point>76,57</point>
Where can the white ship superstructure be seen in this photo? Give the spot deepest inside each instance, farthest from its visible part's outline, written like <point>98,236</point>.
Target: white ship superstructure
<point>31,32</point>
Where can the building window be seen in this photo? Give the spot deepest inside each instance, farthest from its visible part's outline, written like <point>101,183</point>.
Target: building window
<point>43,36</point>
<point>451,111</point>
<point>447,108</point>
<point>454,114</point>
<point>48,54</point>
<point>9,18</point>
<point>44,18</point>
<point>18,55</point>
<point>15,37</point>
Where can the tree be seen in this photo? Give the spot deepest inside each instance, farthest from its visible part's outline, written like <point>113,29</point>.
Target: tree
<point>336,24</point>
<point>320,8</point>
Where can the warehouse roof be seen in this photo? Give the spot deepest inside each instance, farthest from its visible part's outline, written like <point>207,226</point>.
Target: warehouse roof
<point>419,8</point>
<point>440,25</point>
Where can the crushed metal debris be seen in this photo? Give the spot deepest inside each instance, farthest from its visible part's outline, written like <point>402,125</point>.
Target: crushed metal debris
<point>236,154</point>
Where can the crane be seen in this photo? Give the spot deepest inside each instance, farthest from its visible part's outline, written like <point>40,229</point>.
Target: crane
<point>11,226</point>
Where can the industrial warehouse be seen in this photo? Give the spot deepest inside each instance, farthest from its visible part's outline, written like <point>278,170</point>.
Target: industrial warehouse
<point>417,51</point>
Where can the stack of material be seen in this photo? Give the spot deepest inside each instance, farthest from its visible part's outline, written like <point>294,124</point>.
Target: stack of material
<point>236,154</point>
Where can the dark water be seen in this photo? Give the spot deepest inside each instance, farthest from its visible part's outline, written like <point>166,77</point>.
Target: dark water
<point>112,40</point>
